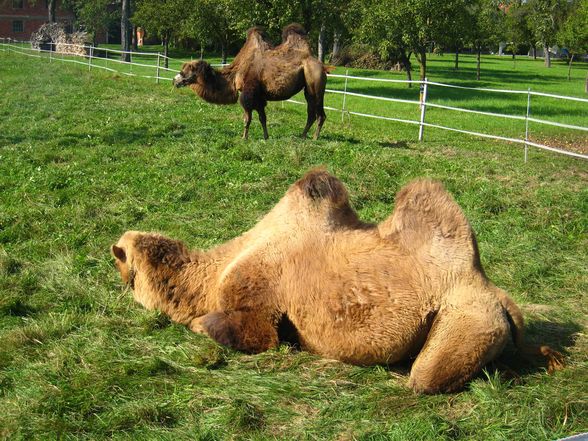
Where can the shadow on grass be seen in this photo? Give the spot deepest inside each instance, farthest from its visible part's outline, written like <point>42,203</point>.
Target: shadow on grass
<point>559,336</point>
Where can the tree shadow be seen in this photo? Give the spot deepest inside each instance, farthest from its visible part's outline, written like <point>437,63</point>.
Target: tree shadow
<point>394,144</point>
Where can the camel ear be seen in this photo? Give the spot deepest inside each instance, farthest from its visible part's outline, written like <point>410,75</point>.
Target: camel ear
<point>119,253</point>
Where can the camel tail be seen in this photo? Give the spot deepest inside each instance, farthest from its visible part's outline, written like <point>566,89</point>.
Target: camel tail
<point>328,68</point>
<point>555,360</point>
<point>515,318</point>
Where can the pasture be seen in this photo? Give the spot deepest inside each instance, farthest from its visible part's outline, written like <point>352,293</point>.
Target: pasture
<point>85,156</point>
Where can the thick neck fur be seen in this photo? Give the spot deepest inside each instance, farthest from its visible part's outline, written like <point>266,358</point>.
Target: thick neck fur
<point>213,86</point>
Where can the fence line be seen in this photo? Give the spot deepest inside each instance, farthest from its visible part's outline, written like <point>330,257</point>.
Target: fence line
<point>90,55</point>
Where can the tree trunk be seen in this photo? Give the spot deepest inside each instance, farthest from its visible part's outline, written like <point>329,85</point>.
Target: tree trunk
<point>478,59</point>
<point>570,67</point>
<point>166,51</point>
<point>125,30</point>
<point>223,53</point>
<point>534,52</point>
<point>307,15</point>
<point>201,50</point>
<point>321,43</point>
<point>336,44</point>
<point>51,10</point>
<point>547,56</point>
<point>422,59</point>
<point>456,57</point>
<point>405,60</point>
<point>134,38</point>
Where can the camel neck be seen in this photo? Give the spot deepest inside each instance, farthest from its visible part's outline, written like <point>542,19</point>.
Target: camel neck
<point>217,88</point>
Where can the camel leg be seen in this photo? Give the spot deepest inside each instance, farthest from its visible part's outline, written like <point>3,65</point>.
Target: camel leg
<point>247,331</point>
<point>247,120</point>
<point>262,120</point>
<point>459,344</point>
<point>320,117</point>
<point>310,112</point>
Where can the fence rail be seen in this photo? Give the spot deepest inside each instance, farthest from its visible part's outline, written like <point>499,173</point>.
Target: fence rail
<point>90,55</point>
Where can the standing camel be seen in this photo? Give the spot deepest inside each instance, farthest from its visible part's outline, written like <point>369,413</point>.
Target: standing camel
<point>261,73</point>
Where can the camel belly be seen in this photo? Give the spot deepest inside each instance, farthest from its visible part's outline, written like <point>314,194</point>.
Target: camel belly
<point>282,86</point>
<point>365,336</point>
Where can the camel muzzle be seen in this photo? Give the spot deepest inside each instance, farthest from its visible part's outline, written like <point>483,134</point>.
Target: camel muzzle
<point>179,81</point>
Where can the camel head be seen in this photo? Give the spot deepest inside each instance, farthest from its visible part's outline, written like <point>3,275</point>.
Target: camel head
<point>192,71</point>
<point>123,253</point>
<point>147,262</point>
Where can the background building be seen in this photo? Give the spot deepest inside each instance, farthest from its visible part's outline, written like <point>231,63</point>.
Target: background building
<point>20,18</point>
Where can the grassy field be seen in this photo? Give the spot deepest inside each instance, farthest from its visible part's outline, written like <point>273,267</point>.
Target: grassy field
<point>85,156</point>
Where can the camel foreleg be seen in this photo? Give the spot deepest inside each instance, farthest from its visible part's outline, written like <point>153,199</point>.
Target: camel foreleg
<point>246,331</point>
<point>263,121</point>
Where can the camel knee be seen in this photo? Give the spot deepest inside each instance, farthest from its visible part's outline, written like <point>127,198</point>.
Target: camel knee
<point>432,380</point>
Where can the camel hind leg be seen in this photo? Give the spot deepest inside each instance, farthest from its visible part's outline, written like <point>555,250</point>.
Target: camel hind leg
<point>460,343</point>
<point>263,121</point>
<point>310,111</point>
<point>314,92</point>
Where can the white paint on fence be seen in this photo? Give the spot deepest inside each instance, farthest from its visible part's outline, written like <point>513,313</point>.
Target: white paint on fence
<point>8,45</point>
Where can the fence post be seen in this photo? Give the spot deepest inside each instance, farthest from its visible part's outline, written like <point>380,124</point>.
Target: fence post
<point>90,58</point>
<point>157,70</point>
<point>423,108</point>
<point>344,97</point>
<point>527,123</point>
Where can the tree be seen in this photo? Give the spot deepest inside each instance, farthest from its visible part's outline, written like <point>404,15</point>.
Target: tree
<point>545,17</point>
<point>376,25</point>
<point>161,17</point>
<point>125,30</point>
<point>416,25</point>
<point>517,31</point>
<point>93,15</point>
<point>51,10</point>
<point>573,35</point>
<point>485,24</point>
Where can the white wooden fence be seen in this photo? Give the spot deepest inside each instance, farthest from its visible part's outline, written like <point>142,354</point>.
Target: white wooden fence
<point>93,53</point>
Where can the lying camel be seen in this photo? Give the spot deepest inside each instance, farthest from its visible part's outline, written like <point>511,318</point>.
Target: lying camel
<point>260,74</point>
<point>361,293</point>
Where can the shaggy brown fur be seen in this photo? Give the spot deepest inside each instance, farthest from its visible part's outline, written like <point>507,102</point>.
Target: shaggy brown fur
<point>260,74</point>
<point>355,292</point>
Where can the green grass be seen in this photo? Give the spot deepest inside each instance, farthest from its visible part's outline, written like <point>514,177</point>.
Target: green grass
<point>85,156</point>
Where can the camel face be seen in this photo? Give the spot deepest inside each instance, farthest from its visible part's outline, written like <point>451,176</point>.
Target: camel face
<point>123,257</point>
<point>188,74</point>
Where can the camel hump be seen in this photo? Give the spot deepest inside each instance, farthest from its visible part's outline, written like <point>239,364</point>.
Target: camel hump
<point>293,30</point>
<point>256,39</point>
<point>161,251</point>
<point>318,184</point>
<point>428,222</point>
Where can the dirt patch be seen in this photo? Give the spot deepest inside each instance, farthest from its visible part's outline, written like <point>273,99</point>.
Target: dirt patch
<point>575,144</point>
